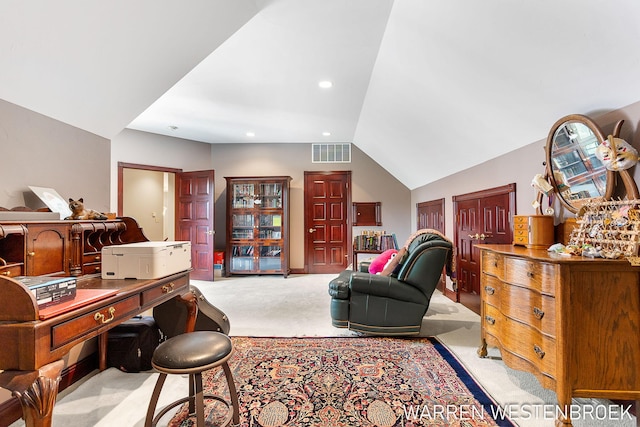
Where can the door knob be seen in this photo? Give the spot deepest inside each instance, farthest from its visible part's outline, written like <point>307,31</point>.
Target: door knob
<point>311,230</point>
<point>477,236</point>
<point>484,236</point>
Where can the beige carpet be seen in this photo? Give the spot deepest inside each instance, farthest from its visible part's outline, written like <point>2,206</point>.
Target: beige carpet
<point>299,306</point>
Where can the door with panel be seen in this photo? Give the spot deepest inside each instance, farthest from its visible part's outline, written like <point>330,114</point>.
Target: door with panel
<point>431,215</point>
<point>481,217</point>
<point>327,197</point>
<point>194,219</point>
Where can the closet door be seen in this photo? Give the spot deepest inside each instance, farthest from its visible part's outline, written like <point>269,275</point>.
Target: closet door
<point>481,217</point>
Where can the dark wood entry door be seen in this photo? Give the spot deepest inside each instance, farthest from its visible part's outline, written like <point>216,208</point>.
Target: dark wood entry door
<point>194,219</point>
<point>481,217</point>
<point>431,215</point>
<point>327,197</point>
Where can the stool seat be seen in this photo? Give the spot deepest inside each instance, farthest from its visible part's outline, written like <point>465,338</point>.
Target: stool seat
<point>195,351</point>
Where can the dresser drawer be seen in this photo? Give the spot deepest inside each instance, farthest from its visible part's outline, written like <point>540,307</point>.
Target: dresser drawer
<point>491,290</point>
<point>492,264</point>
<point>529,307</point>
<point>531,274</point>
<point>529,344</point>
<point>67,331</point>
<point>175,287</point>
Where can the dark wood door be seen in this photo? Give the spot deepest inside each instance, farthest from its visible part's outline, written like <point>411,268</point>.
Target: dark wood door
<point>431,215</point>
<point>194,219</point>
<point>481,217</point>
<point>327,197</point>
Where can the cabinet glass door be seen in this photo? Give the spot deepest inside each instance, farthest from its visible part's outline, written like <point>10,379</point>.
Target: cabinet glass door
<point>270,195</point>
<point>242,226</point>
<point>270,258</point>
<point>270,226</point>
<point>243,196</point>
<point>242,258</point>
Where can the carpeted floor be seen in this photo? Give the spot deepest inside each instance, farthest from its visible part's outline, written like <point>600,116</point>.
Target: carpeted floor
<point>352,382</point>
<point>298,306</point>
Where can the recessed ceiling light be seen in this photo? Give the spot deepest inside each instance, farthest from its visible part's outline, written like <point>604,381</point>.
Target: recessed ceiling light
<point>325,84</point>
<point>251,134</point>
<point>326,133</point>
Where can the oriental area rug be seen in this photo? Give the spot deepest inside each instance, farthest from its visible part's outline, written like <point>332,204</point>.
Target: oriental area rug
<point>347,382</point>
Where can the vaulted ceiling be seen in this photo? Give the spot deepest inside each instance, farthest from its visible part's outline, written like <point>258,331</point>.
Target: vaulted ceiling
<point>425,87</point>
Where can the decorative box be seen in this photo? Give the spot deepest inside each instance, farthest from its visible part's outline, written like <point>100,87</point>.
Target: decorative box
<point>533,231</point>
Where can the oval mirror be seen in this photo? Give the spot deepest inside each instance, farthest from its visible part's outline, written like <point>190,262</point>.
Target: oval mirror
<point>572,166</point>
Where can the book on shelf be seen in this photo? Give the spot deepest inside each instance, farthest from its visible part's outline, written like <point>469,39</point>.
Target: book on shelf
<point>375,242</point>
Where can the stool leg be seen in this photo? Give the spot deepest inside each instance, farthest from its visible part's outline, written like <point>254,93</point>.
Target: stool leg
<point>199,397</point>
<point>192,394</point>
<point>154,400</point>
<point>233,394</point>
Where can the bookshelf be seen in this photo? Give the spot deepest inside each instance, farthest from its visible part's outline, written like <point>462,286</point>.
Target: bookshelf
<point>258,225</point>
<point>372,242</point>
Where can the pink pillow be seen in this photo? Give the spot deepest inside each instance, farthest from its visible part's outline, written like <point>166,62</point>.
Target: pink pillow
<point>379,262</point>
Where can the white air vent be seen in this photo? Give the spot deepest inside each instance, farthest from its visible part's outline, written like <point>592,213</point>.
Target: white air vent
<point>331,153</point>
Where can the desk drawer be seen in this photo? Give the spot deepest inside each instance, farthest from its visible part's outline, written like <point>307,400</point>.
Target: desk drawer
<point>11,270</point>
<point>177,286</point>
<point>67,331</point>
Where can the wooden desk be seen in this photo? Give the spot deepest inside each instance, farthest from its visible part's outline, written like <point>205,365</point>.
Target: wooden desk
<point>573,322</point>
<point>31,349</point>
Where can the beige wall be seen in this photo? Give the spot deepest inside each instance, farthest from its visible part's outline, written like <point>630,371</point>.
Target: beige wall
<point>43,152</point>
<point>370,183</point>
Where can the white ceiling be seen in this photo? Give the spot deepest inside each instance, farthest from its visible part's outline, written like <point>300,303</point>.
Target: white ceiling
<point>425,87</point>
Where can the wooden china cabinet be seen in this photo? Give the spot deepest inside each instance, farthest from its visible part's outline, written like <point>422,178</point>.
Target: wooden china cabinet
<point>258,225</point>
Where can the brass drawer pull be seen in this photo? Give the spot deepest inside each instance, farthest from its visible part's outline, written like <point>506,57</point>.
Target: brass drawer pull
<point>99,317</point>
<point>167,289</point>
<point>6,273</point>
<point>490,320</point>
<point>530,274</point>
<point>489,290</point>
<point>538,313</point>
<point>538,351</point>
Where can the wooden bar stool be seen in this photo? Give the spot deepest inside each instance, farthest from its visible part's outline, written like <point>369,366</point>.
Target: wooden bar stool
<point>193,353</point>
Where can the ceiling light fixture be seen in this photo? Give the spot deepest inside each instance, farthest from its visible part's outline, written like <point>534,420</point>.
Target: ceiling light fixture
<point>325,84</point>
<point>251,134</point>
<point>326,133</point>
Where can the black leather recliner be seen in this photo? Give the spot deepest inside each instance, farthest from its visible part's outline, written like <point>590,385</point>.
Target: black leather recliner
<point>395,304</point>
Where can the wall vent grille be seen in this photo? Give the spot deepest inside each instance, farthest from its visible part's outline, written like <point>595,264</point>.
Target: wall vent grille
<point>331,153</point>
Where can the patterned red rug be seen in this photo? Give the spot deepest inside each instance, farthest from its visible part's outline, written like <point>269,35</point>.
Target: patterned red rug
<point>348,382</point>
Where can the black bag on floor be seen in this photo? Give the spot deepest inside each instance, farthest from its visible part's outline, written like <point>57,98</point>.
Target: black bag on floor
<point>171,316</point>
<point>131,344</point>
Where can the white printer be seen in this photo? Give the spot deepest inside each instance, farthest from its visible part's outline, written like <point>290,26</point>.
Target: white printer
<point>145,260</point>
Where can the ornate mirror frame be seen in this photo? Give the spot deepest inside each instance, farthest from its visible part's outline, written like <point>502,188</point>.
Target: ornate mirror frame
<point>610,176</point>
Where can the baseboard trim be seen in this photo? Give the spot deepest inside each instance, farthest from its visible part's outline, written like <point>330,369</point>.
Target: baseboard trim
<point>452,295</point>
<point>11,411</point>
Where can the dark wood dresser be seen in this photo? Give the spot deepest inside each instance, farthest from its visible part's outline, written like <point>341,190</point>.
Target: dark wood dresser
<point>573,322</point>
